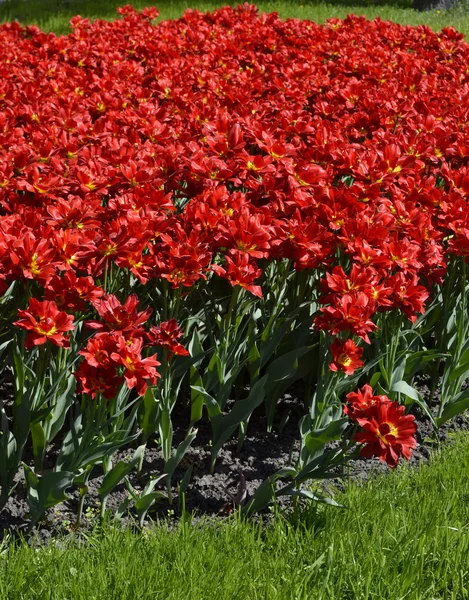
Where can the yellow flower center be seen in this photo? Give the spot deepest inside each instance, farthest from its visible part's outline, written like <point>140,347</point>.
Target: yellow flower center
<point>382,435</point>
<point>344,360</point>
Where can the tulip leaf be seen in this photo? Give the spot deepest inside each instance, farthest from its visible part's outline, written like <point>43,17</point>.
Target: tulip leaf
<point>197,398</point>
<point>47,490</point>
<point>213,408</point>
<point>172,463</point>
<point>318,438</point>
<point>458,405</point>
<point>265,493</point>
<point>225,425</point>
<point>118,472</point>
<point>404,388</point>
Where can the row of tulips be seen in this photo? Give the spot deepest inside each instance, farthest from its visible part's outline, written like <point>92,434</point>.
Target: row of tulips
<point>206,211</point>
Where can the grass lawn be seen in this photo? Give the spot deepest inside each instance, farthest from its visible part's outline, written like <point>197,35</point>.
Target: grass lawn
<point>403,535</point>
<point>54,15</point>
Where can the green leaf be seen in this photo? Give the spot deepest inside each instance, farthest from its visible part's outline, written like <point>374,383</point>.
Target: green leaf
<point>309,495</point>
<point>225,425</point>
<point>144,503</point>
<point>457,406</point>
<point>8,464</point>
<point>214,373</point>
<point>270,342</point>
<point>47,490</point>
<point>286,366</point>
<point>118,472</point>
<point>416,360</point>
<point>5,345</point>
<point>254,363</point>
<point>62,405</point>
<point>196,354</point>
<point>172,463</point>
<point>40,415</point>
<point>212,405</point>
<point>321,466</point>
<point>150,417</point>
<point>197,399</point>
<point>147,497</point>
<point>265,493</point>
<point>52,487</point>
<point>195,347</point>
<point>71,444</point>
<point>398,371</point>
<point>462,367</point>
<point>32,485</point>
<point>123,508</point>
<point>8,295</point>
<point>100,449</point>
<point>318,438</point>
<point>39,442</point>
<point>186,480</point>
<point>281,373</point>
<point>404,388</point>
<point>165,426</point>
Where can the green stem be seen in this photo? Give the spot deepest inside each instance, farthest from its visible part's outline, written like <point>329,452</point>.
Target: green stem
<point>169,491</point>
<point>165,299</point>
<point>229,315</point>
<point>38,388</point>
<point>462,316</point>
<point>140,462</point>
<point>394,344</point>
<point>175,303</point>
<point>127,283</point>
<point>301,287</point>
<point>440,342</point>
<point>106,268</point>
<point>81,503</point>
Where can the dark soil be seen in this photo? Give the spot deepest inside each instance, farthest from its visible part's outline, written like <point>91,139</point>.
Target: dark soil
<point>208,494</point>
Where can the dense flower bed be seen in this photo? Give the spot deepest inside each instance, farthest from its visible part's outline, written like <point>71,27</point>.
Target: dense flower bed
<point>207,210</point>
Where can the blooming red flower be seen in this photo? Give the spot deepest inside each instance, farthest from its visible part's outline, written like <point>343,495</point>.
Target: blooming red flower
<point>181,258</point>
<point>387,433</point>
<point>166,336</point>
<point>361,279</point>
<point>117,316</point>
<point>241,271</point>
<point>72,292</point>
<point>137,370</point>
<point>350,312</point>
<point>33,258</point>
<point>246,232</point>
<point>359,402</point>
<point>96,380</point>
<point>345,356</point>
<point>408,295</point>
<point>45,322</point>
<point>99,349</point>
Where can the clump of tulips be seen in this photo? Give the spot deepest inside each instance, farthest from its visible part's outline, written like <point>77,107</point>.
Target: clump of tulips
<point>203,212</point>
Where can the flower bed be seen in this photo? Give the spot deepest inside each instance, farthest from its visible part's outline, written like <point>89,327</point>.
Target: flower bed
<point>204,212</point>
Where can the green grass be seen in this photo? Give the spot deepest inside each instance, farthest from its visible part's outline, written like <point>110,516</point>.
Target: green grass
<point>54,15</point>
<point>403,535</point>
